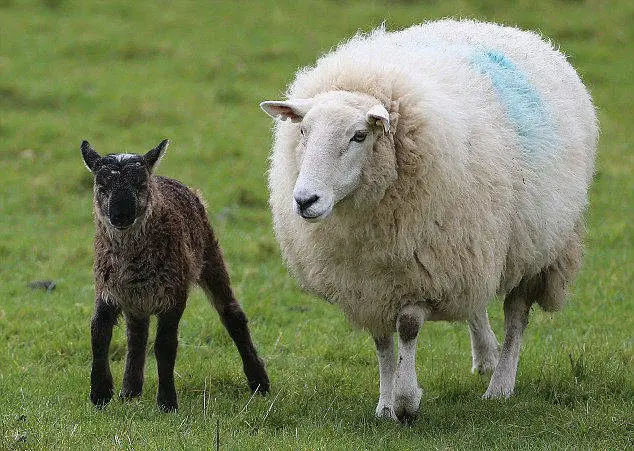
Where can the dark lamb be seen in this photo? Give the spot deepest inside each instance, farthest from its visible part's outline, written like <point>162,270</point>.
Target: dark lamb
<point>152,241</point>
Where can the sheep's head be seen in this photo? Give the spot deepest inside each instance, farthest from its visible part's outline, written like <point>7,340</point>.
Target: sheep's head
<point>121,190</point>
<point>338,131</point>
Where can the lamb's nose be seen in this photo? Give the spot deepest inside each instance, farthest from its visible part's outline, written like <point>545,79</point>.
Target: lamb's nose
<point>304,203</point>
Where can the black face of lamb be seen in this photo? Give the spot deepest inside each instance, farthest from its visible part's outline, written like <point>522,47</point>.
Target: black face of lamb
<point>121,190</point>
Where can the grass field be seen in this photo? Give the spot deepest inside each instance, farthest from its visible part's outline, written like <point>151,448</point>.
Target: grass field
<point>126,75</point>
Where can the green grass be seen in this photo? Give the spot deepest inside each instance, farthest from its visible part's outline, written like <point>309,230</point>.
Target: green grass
<point>126,75</point>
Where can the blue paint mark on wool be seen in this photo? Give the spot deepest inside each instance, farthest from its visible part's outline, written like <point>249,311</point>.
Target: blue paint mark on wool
<point>524,107</point>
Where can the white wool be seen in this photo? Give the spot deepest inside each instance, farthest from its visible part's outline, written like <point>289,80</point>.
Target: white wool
<point>123,156</point>
<point>454,204</point>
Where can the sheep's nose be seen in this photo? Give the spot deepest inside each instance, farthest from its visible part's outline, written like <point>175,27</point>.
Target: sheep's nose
<point>122,208</point>
<point>304,203</point>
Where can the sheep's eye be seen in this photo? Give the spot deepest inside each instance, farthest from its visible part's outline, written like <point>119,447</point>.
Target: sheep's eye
<point>102,190</point>
<point>359,136</point>
<point>302,131</point>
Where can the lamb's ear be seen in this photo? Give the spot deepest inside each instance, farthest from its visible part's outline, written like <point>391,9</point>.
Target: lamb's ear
<point>89,155</point>
<point>293,109</point>
<point>377,114</point>
<point>154,156</point>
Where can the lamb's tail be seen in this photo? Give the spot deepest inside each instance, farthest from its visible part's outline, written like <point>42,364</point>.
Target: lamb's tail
<point>214,280</point>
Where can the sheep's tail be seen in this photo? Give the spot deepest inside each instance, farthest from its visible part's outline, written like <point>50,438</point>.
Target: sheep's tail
<point>551,285</point>
<point>214,280</point>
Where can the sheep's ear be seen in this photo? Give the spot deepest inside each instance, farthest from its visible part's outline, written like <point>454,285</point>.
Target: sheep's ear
<point>293,109</point>
<point>378,115</point>
<point>89,155</point>
<point>154,156</point>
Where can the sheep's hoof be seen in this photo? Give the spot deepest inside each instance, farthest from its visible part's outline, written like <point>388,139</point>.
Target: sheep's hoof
<point>385,412</point>
<point>498,392</point>
<point>485,365</point>
<point>406,405</point>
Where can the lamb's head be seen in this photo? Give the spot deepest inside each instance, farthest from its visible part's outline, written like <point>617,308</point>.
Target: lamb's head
<point>338,130</point>
<point>121,184</point>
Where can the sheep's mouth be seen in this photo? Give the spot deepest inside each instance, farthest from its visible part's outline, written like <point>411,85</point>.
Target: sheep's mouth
<point>308,217</point>
<point>122,226</point>
<point>315,217</point>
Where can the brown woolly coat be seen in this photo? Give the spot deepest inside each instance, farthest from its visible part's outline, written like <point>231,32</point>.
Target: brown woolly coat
<point>147,269</point>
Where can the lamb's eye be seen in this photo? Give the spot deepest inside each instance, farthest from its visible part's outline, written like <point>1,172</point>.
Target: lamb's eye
<point>359,136</point>
<point>302,131</point>
<point>102,190</point>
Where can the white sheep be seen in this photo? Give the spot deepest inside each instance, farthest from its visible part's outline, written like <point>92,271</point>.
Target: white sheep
<point>425,171</point>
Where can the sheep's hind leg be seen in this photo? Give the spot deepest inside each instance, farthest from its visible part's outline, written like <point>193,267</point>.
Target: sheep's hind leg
<point>516,308</point>
<point>215,281</point>
<point>103,320</point>
<point>407,393</point>
<point>165,348</point>
<point>387,367</point>
<point>485,348</point>
<point>137,332</point>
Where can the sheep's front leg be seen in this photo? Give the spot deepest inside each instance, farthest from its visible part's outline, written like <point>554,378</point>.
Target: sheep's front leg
<point>137,332</point>
<point>484,345</point>
<point>165,347</point>
<point>516,309</point>
<point>407,393</point>
<point>103,320</point>
<point>387,367</point>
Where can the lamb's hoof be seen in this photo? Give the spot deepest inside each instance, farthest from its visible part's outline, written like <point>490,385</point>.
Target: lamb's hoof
<point>385,412</point>
<point>101,390</point>
<point>100,396</point>
<point>130,393</point>
<point>261,386</point>
<point>406,404</point>
<point>257,377</point>
<point>166,401</point>
<point>167,405</point>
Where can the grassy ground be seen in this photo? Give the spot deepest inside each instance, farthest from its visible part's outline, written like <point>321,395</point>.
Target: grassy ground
<point>127,74</point>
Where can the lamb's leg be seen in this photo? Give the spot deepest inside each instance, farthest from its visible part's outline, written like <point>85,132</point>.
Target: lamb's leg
<point>137,331</point>
<point>215,281</point>
<point>484,346</point>
<point>103,320</point>
<point>165,347</point>
<point>516,308</point>
<point>387,367</point>
<point>407,393</point>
